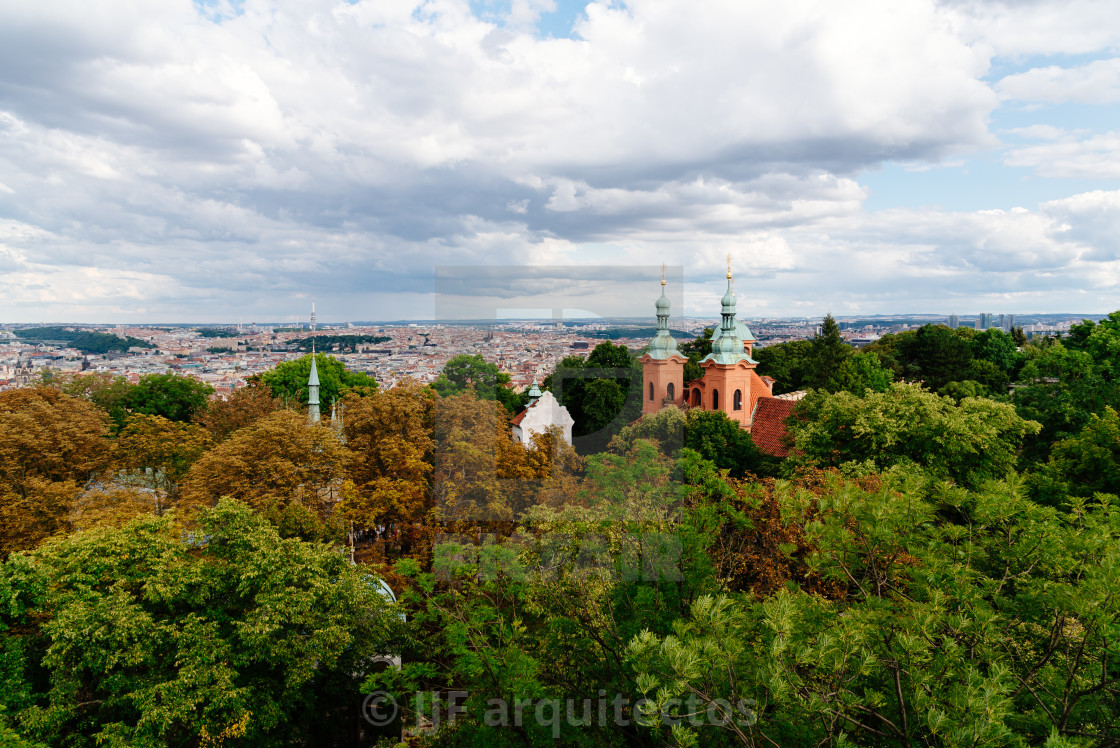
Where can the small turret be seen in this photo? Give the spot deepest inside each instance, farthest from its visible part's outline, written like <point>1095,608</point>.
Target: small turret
<point>313,389</point>
<point>534,392</point>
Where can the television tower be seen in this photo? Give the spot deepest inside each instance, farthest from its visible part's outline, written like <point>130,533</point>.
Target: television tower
<point>313,314</point>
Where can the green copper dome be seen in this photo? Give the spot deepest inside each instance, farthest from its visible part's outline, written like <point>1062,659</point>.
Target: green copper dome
<point>728,341</point>
<point>663,345</point>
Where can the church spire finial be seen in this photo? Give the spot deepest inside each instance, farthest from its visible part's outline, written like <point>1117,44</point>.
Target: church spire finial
<point>728,266</point>
<point>663,274</point>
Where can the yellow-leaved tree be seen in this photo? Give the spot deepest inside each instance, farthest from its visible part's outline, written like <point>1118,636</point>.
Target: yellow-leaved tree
<point>51,445</point>
<point>239,409</point>
<point>157,453</point>
<point>284,467</point>
<point>390,433</point>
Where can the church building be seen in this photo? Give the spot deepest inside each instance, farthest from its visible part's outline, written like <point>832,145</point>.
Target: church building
<point>543,412</point>
<point>730,382</point>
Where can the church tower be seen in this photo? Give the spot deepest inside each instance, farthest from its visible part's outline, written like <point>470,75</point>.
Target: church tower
<point>729,368</point>
<point>662,365</point>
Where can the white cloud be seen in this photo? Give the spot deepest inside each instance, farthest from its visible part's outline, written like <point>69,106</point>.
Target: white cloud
<point>198,166</point>
<point>1098,82</point>
<point>1095,157</point>
<point>1021,28</point>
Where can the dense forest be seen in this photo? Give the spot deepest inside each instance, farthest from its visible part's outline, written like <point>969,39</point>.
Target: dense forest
<point>934,564</point>
<point>86,341</point>
<point>339,343</point>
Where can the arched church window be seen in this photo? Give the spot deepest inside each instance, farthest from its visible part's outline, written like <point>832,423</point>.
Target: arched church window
<point>738,399</point>
<point>651,390</point>
<point>715,399</point>
<point>670,391</point>
<point>696,398</point>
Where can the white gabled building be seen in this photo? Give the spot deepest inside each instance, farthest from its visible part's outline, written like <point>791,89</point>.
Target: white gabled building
<point>543,412</point>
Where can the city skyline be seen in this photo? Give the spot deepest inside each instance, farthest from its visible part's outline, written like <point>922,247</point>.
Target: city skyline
<point>234,159</point>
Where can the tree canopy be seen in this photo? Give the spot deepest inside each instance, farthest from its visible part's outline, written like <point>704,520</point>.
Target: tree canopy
<point>288,381</point>
<point>906,425</point>
<point>473,373</point>
<point>145,636</point>
<point>281,465</point>
<point>602,393</point>
<point>174,397</point>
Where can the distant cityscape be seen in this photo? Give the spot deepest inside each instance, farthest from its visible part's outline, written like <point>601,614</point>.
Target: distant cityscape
<point>226,356</point>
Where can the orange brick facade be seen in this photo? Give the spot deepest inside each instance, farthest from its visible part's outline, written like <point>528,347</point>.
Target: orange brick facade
<point>721,383</point>
<point>662,381</point>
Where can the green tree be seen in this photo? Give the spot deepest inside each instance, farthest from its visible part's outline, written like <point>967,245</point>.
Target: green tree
<point>788,363</point>
<point>473,373</point>
<point>998,347</point>
<point>1090,461</point>
<point>936,355</point>
<point>859,372</point>
<point>547,614</point>
<point>960,390</point>
<point>174,397</point>
<point>602,394</point>
<point>288,381</point>
<point>699,347</point>
<point>982,631</point>
<point>465,372</point>
<point>710,434</point>
<point>664,427</point>
<point>147,636</point>
<point>1061,387</point>
<point>107,391</point>
<point>827,353</point>
<point>695,350</point>
<point>602,402</point>
<point>907,425</point>
<point>717,438</point>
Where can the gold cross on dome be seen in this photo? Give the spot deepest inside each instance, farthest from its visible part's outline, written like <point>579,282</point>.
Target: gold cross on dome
<point>729,265</point>
<point>663,273</point>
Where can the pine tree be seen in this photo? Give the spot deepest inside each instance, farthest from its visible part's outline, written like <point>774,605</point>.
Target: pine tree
<point>827,355</point>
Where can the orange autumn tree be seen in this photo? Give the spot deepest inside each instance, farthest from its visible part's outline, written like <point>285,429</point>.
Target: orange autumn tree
<point>158,453</point>
<point>239,409</point>
<point>475,466</point>
<point>284,467</point>
<point>389,433</point>
<point>482,476</point>
<point>51,445</point>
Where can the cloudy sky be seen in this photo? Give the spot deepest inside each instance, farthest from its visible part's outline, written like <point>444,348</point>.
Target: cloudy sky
<point>228,159</point>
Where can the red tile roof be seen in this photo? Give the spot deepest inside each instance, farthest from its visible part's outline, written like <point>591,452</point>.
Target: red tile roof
<point>516,420</point>
<point>768,427</point>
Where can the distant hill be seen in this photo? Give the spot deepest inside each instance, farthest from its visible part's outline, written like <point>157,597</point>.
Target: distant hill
<point>339,343</point>
<point>216,332</point>
<point>87,341</point>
